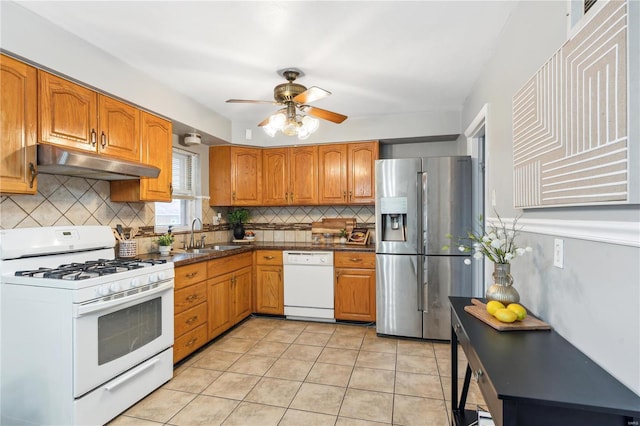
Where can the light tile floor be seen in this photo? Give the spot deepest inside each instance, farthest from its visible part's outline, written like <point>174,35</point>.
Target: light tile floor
<point>270,371</point>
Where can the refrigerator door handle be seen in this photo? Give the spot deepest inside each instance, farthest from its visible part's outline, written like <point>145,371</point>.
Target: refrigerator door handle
<point>424,285</point>
<point>423,288</point>
<point>420,234</point>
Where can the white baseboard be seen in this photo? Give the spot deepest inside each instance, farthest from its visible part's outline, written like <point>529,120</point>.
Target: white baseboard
<point>621,233</point>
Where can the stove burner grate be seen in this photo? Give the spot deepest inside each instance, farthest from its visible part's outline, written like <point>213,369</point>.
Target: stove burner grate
<point>89,269</point>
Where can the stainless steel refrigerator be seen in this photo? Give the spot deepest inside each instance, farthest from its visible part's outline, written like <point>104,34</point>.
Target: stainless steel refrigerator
<point>418,202</point>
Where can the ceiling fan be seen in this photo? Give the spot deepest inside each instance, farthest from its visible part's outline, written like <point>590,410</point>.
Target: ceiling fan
<point>294,97</point>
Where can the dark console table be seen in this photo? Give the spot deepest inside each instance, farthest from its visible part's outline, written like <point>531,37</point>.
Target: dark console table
<point>533,378</point>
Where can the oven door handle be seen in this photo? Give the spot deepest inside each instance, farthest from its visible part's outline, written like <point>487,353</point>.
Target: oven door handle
<point>100,306</point>
<point>131,374</point>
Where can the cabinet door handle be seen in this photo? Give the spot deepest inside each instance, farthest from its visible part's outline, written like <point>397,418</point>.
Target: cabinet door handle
<point>356,259</point>
<point>171,189</point>
<point>233,195</point>
<point>94,137</point>
<point>268,257</point>
<point>192,319</point>
<point>350,195</point>
<point>344,195</point>
<point>192,297</point>
<point>192,274</point>
<point>103,140</point>
<point>192,341</point>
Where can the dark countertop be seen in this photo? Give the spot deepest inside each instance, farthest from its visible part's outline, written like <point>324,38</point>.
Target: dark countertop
<point>181,258</point>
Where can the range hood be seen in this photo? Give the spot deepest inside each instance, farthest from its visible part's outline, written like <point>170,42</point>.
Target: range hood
<point>57,160</point>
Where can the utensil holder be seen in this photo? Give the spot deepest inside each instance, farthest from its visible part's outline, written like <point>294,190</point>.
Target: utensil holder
<point>128,248</point>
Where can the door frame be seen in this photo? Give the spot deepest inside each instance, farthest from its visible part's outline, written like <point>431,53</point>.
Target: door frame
<point>476,134</point>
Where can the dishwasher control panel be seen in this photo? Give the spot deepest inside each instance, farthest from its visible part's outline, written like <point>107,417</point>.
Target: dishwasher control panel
<point>311,258</point>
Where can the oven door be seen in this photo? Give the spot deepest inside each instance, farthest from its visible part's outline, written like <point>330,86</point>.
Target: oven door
<point>113,336</point>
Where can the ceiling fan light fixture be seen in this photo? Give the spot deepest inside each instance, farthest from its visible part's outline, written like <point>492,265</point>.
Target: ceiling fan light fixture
<point>291,127</point>
<point>310,123</point>
<point>271,131</point>
<point>277,121</point>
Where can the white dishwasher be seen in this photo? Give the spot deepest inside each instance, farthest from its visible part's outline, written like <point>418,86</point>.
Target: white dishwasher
<point>308,285</point>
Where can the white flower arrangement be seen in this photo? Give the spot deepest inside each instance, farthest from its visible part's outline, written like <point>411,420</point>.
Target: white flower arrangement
<point>497,242</point>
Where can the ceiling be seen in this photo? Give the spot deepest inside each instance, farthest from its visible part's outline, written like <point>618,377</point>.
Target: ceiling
<point>376,57</point>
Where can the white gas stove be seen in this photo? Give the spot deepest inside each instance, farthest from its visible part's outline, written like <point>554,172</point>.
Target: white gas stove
<point>85,334</point>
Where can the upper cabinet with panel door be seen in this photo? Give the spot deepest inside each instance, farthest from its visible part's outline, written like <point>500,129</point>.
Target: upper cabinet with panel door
<point>347,173</point>
<point>79,118</point>
<point>290,176</point>
<point>155,137</point>
<point>235,176</point>
<point>18,121</point>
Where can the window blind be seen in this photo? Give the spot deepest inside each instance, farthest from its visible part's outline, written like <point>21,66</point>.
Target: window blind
<point>182,178</point>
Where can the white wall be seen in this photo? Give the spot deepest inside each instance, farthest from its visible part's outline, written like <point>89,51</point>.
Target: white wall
<point>361,128</point>
<point>593,301</point>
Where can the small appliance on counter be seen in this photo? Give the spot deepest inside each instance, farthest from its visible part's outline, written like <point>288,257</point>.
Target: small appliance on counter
<point>418,202</point>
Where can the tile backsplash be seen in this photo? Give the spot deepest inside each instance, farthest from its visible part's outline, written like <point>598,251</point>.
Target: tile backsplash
<point>64,200</point>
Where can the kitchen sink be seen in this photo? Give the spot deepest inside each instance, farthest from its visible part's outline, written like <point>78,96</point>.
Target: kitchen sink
<point>212,249</point>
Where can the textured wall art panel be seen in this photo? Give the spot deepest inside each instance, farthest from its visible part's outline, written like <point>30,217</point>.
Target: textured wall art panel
<point>570,141</point>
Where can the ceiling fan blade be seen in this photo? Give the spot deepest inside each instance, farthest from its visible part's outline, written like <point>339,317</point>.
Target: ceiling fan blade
<point>312,94</point>
<point>249,101</point>
<point>264,122</point>
<point>324,114</point>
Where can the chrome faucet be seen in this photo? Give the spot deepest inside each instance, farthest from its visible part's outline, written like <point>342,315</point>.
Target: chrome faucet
<point>192,243</point>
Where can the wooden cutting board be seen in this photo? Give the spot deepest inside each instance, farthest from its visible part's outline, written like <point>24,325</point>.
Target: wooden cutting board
<point>479,310</point>
<point>333,225</point>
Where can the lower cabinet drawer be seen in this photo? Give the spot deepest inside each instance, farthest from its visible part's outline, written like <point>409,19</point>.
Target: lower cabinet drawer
<point>189,297</point>
<point>189,319</point>
<point>189,342</point>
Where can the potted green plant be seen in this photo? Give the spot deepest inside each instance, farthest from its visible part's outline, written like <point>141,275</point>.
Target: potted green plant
<point>343,236</point>
<point>164,243</point>
<point>238,218</point>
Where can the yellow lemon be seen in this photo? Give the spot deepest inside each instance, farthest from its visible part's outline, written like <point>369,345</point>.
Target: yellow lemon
<point>493,306</point>
<point>520,311</point>
<point>505,315</point>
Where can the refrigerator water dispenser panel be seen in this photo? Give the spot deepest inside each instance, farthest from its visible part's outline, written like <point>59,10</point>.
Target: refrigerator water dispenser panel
<point>394,218</point>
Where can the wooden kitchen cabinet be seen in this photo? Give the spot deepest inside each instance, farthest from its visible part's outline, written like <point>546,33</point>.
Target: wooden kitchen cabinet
<point>235,176</point>
<point>269,282</point>
<point>290,176</point>
<point>155,137</point>
<point>18,121</point>
<point>190,309</point>
<point>355,286</point>
<point>228,291</point>
<point>346,173</point>
<point>79,118</point>
<point>361,172</point>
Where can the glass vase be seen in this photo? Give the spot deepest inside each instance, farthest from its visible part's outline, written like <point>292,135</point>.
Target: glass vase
<point>502,288</point>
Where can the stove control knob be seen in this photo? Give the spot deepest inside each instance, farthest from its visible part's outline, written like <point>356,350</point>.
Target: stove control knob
<point>323,260</point>
<point>134,283</point>
<point>162,276</point>
<point>114,287</point>
<point>103,290</point>
<point>153,278</point>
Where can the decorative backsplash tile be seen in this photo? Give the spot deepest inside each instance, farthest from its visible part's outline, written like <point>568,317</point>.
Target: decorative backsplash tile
<point>64,200</point>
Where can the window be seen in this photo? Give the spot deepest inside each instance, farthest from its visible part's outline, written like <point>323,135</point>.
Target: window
<point>186,204</point>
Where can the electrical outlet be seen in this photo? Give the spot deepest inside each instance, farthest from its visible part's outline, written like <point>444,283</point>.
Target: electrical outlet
<point>558,253</point>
